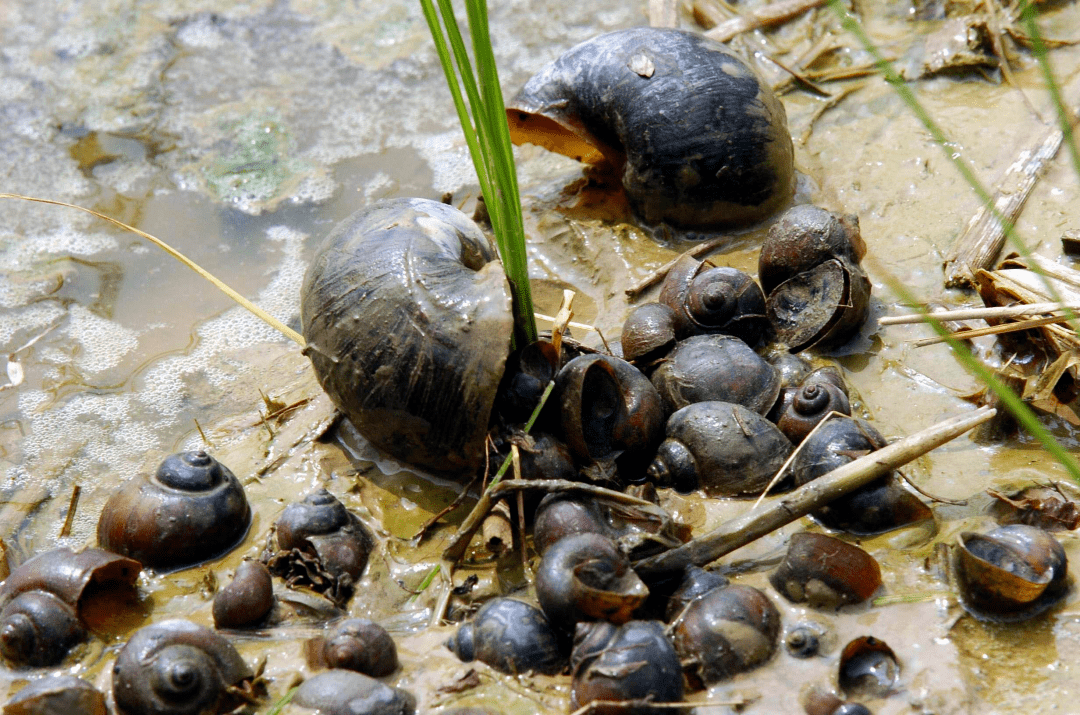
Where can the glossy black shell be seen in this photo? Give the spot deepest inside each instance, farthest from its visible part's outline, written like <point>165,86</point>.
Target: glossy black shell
<point>635,661</point>
<point>406,312</point>
<point>510,636</point>
<point>698,138</point>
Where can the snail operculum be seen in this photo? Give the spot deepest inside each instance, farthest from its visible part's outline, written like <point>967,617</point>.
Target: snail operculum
<point>698,138</point>
<point>406,312</point>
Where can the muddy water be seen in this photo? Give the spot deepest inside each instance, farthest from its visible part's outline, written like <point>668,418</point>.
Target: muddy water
<point>242,132</point>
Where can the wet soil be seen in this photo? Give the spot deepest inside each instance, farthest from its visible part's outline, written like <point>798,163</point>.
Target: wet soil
<point>242,132</point>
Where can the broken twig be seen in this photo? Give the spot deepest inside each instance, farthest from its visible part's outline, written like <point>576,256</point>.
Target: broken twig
<point>766,16</point>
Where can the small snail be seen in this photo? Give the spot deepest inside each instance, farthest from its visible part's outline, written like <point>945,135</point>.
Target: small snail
<point>406,313</point>
<point>868,668</point>
<point>248,598</point>
<point>823,391</point>
<point>810,638</point>
<point>825,572</point>
<point>631,662</point>
<point>721,448</point>
<point>716,367</point>
<point>648,334</point>
<point>706,299</point>
<point>821,702</point>
<point>816,291</point>
<point>585,577</point>
<point>57,695</point>
<point>41,601</point>
<point>346,692</point>
<point>510,636</point>
<point>355,644</point>
<point>727,631</point>
<point>698,139</point>
<point>880,506</point>
<point>320,528</point>
<point>176,667</point>
<point>608,409</point>
<point>1011,573</point>
<point>190,510</point>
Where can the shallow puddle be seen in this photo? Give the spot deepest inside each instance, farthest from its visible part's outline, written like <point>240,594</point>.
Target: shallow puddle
<point>242,132</point>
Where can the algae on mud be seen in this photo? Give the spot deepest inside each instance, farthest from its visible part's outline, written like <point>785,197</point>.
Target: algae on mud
<point>133,349</point>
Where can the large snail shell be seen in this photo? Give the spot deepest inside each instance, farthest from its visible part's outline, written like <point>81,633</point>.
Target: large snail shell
<point>716,367</point>
<point>406,312</point>
<point>247,599</point>
<point>346,692</point>
<point>510,636</point>
<point>70,575</point>
<point>698,138</point>
<point>707,299</point>
<point>355,644</point>
<point>695,584</point>
<point>191,510</point>
<point>805,236</point>
<point>321,525</point>
<point>1012,573</point>
<point>176,668</point>
<point>585,577</point>
<point>38,629</point>
<point>727,631</point>
<point>632,662</point>
<point>722,448</point>
<point>57,695</point>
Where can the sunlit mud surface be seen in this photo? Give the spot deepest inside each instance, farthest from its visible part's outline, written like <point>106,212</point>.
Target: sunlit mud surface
<point>242,132</point>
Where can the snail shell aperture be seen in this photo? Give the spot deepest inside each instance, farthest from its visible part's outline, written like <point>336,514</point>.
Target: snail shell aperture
<point>698,138</point>
<point>41,599</point>
<point>176,668</point>
<point>189,511</point>
<point>406,312</point>
<point>510,636</point>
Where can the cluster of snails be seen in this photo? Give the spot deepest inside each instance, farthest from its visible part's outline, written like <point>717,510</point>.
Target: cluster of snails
<point>190,510</point>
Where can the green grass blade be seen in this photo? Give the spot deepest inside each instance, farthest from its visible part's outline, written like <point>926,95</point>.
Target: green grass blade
<point>1038,48</point>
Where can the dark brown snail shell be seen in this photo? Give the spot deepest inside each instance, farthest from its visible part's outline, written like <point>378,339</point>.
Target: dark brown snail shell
<point>805,236</point>
<point>648,333</point>
<point>817,294</point>
<point>825,572</point>
<point>706,299</point>
<point>41,600</point>
<point>822,392</point>
<point>176,667</point>
<point>57,695</point>
<point>346,692</point>
<point>561,515</point>
<point>609,409</point>
<point>510,636</point>
<point>868,668</point>
<point>821,702</point>
<point>726,631</point>
<point>695,584</point>
<point>38,629</point>
<point>1011,573</point>
<point>880,506</point>
<point>721,448</point>
<point>698,139</point>
<point>320,525</point>
<point>406,312</point>
<point>716,367</point>
<point>355,644</point>
<point>247,599</point>
<point>190,510</point>
<point>585,577</point>
<point>631,662</point>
